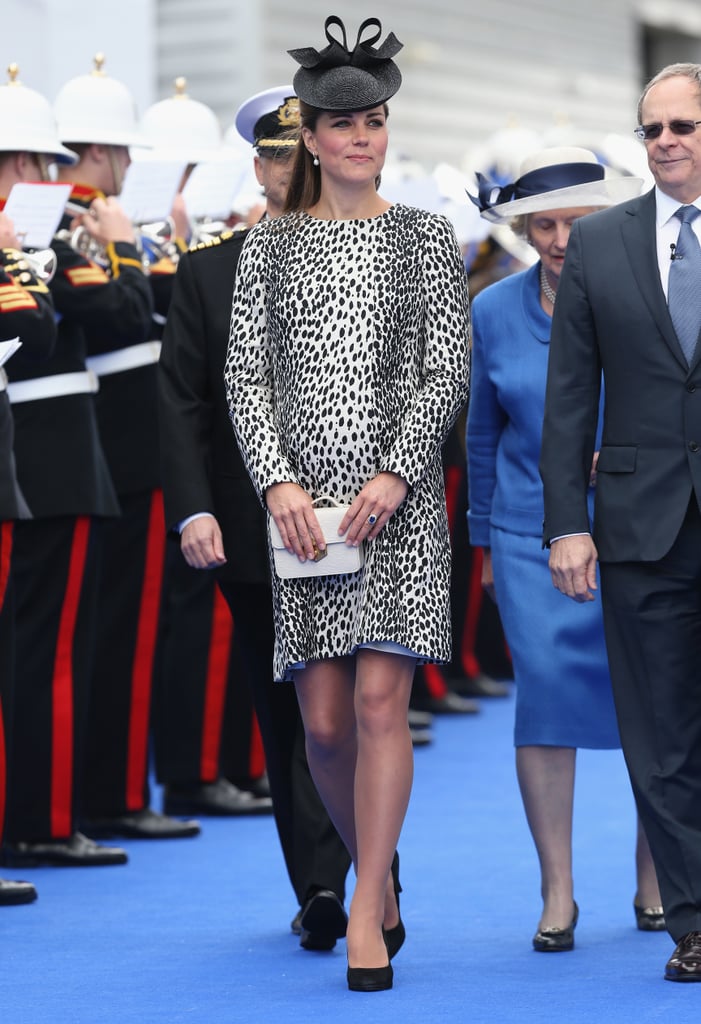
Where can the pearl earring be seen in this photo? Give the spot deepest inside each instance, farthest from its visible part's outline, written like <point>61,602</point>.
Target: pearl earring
<point>315,161</point>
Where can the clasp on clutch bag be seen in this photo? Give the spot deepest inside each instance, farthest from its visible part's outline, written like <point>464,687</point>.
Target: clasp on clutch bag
<point>318,552</point>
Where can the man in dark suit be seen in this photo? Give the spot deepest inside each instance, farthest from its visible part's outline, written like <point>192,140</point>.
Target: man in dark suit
<point>616,312</point>
<point>210,500</point>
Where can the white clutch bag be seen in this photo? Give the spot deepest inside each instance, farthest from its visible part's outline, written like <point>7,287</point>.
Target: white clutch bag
<point>338,558</point>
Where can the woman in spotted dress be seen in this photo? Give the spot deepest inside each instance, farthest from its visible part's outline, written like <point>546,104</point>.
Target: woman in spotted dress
<point>348,364</point>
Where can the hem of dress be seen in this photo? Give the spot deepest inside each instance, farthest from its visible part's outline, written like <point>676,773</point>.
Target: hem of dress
<point>390,646</point>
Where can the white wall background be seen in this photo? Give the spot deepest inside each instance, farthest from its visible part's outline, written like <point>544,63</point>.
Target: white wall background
<point>472,68</point>
<point>54,40</point>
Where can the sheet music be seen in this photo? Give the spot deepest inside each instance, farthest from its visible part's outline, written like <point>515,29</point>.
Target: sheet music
<point>149,189</point>
<point>36,208</point>
<point>211,188</point>
<point>8,348</point>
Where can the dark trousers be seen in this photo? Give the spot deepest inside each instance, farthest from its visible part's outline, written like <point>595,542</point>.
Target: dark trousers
<point>119,716</point>
<point>7,659</point>
<point>54,579</point>
<point>652,618</point>
<point>198,690</point>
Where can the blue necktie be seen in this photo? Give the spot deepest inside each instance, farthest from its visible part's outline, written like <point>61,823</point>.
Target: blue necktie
<point>684,290</point>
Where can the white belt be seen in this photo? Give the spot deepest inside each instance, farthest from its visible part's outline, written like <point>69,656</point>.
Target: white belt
<point>125,358</point>
<point>84,382</point>
<point>3,379</point>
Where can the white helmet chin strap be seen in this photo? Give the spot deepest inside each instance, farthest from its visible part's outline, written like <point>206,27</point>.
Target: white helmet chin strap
<point>117,174</point>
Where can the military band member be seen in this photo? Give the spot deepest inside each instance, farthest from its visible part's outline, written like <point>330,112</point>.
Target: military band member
<point>64,478</point>
<point>27,314</point>
<point>111,297</point>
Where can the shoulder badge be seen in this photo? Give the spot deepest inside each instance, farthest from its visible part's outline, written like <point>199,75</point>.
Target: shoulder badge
<point>215,240</point>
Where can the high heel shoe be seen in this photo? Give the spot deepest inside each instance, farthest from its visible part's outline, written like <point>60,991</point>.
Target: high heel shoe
<point>649,919</point>
<point>556,940</point>
<point>370,979</point>
<point>394,937</point>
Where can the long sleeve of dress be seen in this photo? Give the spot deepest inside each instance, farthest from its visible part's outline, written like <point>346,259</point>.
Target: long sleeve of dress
<point>248,373</point>
<point>445,366</point>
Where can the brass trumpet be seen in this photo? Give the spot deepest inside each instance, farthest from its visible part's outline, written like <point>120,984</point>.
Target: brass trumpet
<point>41,264</point>
<point>154,241</point>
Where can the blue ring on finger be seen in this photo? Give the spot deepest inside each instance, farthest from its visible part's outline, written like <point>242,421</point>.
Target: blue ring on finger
<point>372,519</point>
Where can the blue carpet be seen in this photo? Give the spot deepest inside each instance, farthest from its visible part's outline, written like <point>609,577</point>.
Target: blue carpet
<point>197,930</point>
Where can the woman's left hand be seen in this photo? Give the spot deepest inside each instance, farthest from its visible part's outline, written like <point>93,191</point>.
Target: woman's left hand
<point>372,508</point>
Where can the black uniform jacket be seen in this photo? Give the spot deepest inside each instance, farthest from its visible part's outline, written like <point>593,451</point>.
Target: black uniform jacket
<point>61,463</point>
<point>114,318</point>
<point>201,465</point>
<point>26,312</point>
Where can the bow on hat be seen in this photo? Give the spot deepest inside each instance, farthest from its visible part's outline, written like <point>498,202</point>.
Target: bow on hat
<point>363,55</point>
<point>542,180</point>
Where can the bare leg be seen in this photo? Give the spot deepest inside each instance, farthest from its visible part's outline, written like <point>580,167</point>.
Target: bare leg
<point>325,691</point>
<point>361,758</point>
<point>383,781</point>
<point>648,891</point>
<point>546,779</point>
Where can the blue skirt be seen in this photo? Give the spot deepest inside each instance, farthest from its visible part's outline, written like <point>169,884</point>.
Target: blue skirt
<point>563,688</point>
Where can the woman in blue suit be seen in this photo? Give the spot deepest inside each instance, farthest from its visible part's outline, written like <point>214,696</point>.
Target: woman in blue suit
<point>563,691</point>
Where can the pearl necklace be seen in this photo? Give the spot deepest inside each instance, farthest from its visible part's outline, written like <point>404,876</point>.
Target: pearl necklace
<point>548,291</point>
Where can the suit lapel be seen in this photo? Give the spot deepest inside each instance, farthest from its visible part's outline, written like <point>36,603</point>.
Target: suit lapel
<point>638,233</point>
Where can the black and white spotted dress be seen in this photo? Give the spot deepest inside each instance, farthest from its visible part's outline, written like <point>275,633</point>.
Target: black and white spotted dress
<point>349,356</point>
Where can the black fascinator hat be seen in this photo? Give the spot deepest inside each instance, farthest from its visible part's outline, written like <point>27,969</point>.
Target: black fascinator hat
<point>337,78</point>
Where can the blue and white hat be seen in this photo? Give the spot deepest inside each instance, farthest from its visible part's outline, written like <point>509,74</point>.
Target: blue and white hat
<point>558,178</point>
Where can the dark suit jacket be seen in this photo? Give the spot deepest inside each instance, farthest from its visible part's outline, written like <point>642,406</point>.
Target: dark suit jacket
<point>202,469</point>
<point>611,314</point>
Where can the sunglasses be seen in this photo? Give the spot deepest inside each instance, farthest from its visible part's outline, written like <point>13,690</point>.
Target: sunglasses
<point>647,132</point>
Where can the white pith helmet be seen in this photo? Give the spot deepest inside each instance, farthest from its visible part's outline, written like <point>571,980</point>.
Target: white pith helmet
<point>180,128</point>
<point>96,108</point>
<point>27,123</point>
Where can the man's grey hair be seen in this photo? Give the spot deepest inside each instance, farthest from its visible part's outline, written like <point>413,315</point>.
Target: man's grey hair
<point>690,71</point>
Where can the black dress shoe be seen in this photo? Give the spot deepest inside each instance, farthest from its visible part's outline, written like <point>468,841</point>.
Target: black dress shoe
<point>420,737</point>
<point>259,786</point>
<point>394,937</point>
<point>144,824</point>
<point>370,979</point>
<point>14,893</point>
<point>419,719</point>
<point>323,920</point>
<point>77,851</point>
<point>685,962</point>
<point>450,704</point>
<point>479,686</point>
<point>296,923</point>
<point>217,799</point>
<point>556,940</point>
<point>649,919</point>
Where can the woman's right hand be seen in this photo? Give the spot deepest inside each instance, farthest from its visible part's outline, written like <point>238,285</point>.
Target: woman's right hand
<point>488,573</point>
<point>293,512</point>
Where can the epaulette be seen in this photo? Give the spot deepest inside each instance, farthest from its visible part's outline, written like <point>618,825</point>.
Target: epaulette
<point>225,236</point>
